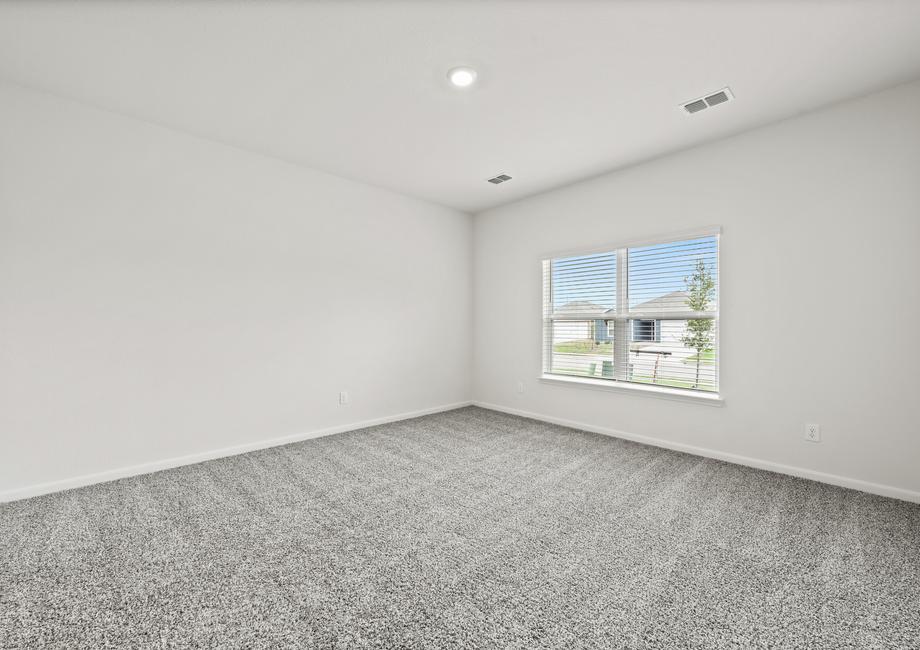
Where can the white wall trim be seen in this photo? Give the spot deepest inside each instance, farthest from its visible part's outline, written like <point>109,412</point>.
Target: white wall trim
<point>191,459</point>
<point>661,392</point>
<point>800,472</point>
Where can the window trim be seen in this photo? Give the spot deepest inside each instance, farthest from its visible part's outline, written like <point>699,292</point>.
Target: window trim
<point>645,390</point>
<point>617,383</point>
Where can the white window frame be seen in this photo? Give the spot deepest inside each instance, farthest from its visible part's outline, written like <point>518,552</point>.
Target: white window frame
<point>622,317</point>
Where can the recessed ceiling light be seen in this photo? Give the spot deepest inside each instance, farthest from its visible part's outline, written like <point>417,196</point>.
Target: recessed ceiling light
<point>462,77</point>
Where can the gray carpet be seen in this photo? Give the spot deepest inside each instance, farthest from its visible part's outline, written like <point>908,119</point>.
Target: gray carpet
<point>463,529</point>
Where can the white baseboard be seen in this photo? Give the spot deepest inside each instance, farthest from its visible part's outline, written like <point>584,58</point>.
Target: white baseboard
<point>191,459</point>
<point>801,472</point>
<point>168,463</point>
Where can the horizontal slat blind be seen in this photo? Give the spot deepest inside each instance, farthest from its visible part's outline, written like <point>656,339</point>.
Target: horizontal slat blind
<point>669,314</point>
<point>670,361</point>
<point>582,347</point>
<point>657,276</point>
<point>585,284</point>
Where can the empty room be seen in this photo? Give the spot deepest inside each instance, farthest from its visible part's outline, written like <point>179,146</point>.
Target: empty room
<point>461,324</point>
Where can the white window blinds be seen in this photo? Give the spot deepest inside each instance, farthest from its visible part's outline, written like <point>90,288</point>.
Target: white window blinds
<point>644,314</point>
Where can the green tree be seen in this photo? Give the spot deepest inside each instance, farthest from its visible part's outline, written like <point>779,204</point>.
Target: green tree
<point>700,292</point>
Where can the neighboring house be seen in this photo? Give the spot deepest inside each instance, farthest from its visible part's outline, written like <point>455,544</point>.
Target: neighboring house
<point>657,353</point>
<point>583,307</point>
<point>643,330</point>
<point>583,330</point>
<point>673,301</point>
<point>660,331</point>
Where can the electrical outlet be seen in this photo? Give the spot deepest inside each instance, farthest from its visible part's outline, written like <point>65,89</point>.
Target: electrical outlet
<point>343,397</point>
<point>813,433</point>
<point>520,387</point>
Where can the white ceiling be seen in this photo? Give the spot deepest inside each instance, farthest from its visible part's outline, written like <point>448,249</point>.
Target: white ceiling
<point>566,89</point>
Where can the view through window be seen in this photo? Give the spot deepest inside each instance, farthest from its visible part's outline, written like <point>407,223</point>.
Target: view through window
<point>645,314</point>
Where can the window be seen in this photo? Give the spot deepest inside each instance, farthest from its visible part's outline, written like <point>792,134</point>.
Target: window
<point>646,330</point>
<point>644,314</point>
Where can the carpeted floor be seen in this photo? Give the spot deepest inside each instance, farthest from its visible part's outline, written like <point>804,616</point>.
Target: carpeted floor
<point>464,529</point>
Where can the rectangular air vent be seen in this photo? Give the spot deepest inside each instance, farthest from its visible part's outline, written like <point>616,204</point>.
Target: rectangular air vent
<point>717,98</point>
<point>693,107</point>
<point>501,178</point>
<point>714,99</point>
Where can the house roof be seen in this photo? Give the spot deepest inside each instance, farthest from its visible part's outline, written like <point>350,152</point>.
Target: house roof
<point>674,301</point>
<point>583,307</point>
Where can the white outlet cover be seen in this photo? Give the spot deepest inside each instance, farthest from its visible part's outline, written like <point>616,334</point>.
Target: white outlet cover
<point>343,397</point>
<point>813,432</point>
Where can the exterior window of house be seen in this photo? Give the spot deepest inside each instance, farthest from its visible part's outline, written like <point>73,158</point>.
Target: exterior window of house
<point>641,314</point>
<point>645,330</point>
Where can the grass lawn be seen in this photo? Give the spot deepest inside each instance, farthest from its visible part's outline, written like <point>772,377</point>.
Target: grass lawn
<point>581,372</point>
<point>583,347</point>
<point>706,359</point>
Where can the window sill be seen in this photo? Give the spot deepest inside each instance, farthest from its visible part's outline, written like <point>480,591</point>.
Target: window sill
<point>663,392</point>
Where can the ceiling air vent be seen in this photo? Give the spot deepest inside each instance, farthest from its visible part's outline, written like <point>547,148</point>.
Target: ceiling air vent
<point>693,107</point>
<point>716,98</point>
<point>500,179</point>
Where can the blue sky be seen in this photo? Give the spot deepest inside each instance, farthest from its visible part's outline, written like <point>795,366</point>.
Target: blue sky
<point>653,271</point>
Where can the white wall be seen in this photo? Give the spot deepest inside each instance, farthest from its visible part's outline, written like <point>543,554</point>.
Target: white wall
<point>164,295</point>
<point>821,240</point>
